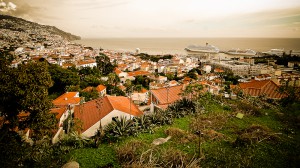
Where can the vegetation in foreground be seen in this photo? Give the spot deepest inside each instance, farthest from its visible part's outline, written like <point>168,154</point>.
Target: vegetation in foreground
<point>204,132</point>
<point>266,136</point>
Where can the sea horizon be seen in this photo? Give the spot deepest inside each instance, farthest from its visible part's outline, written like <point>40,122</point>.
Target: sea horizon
<point>176,45</point>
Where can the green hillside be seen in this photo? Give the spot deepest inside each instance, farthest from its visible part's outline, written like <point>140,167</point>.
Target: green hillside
<point>264,137</point>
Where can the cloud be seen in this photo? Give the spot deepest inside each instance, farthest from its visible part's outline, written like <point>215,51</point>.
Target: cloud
<point>7,7</point>
<point>22,9</point>
<point>91,4</point>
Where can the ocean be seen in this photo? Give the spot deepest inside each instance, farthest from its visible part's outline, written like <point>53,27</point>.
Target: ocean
<point>176,45</point>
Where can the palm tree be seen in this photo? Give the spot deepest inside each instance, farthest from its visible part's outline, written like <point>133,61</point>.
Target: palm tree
<point>113,79</point>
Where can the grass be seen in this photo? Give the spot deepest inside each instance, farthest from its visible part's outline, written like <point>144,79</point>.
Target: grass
<point>253,141</point>
<point>103,156</point>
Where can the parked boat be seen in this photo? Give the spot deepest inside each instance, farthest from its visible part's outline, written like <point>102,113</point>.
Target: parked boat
<point>277,52</point>
<point>202,49</point>
<point>295,53</point>
<point>247,52</point>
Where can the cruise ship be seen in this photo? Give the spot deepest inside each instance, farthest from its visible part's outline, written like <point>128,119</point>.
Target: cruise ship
<point>202,49</point>
<point>247,52</point>
<point>277,52</point>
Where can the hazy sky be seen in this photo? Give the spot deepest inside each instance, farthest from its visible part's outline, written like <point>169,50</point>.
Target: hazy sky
<point>163,18</point>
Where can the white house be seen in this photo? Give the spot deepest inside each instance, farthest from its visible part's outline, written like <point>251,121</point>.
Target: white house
<point>120,73</point>
<point>86,63</point>
<point>140,97</point>
<point>207,68</point>
<point>101,90</point>
<point>103,110</point>
<point>162,79</point>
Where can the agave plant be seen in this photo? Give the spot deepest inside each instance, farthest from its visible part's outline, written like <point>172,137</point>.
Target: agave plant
<point>143,123</point>
<point>120,128</point>
<point>182,107</point>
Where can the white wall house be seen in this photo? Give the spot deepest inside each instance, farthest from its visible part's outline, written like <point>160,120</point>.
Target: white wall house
<point>103,110</point>
<point>104,121</point>
<point>89,63</point>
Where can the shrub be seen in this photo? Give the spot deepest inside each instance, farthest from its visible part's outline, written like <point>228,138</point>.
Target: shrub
<point>212,135</point>
<point>180,135</point>
<point>248,108</point>
<point>175,133</point>
<point>214,121</point>
<point>130,152</point>
<point>254,134</point>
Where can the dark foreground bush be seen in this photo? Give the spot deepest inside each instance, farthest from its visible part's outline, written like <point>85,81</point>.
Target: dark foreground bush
<point>104,156</point>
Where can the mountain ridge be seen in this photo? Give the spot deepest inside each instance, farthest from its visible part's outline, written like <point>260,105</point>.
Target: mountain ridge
<point>16,24</point>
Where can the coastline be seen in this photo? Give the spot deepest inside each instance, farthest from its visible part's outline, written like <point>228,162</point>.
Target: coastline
<point>176,45</point>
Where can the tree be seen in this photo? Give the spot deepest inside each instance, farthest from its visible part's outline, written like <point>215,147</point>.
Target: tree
<point>62,78</point>
<point>229,76</point>
<point>170,76</point>
<point>25,89</point>
<point>93,94</point>
<point>127,83</point>
<point>113,80</point>
<point>89,80</point>
<point>193,90</point>
<point>192,74</point>
<point>138,88</point>
<point>104,65</point>
<point>142,80</point>
<point>114,90</point>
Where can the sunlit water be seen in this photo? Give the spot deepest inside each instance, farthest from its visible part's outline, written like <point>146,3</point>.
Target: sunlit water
<point>177,45</point>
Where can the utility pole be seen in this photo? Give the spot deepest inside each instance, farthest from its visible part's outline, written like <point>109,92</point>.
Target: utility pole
<point>70,120</point>
<point>168,87</point>
<point>130,99</point>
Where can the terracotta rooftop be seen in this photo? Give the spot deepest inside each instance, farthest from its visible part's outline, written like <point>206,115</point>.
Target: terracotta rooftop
<point>137,73</point>
<point>167,95</point>
<point>173,82</point>
<point>117,71</point>
<point>66,65</point>
<point>93,111</point>
<point>99,88</point>
<point>66,99</point>
<point>122,87</point>
<point>144,90</point>
<point>122,66</point>
<point>218,70</point>
<point>86,62</point>
<point>58,111</point>
<point>258,88</point>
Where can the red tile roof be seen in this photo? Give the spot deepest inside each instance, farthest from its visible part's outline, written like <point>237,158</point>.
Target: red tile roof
<point>260,88</point>
<point>117,71</point>
<point>90,114</point>
<point>58,111</point>
<point>218,70</point>
<point>144,90</point>
<point>173,82</point>
<point>84,62</point>
<point>100,88</point>
<point>137,73</point>
<point>66,99</point>
<point>67,65</point>
<point>122,87</point>
<point>167,95</point>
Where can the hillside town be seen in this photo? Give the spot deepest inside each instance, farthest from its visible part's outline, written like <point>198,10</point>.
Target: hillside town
<point>168,79</point>
<point>85,92</point>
